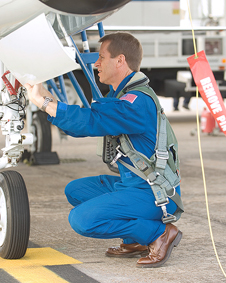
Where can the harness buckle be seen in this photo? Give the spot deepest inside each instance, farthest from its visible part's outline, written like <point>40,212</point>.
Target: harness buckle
<point>173,194</point>
<point>118,155</point>
<point>163,205</point>
<point>162,154</point>
<point>167,217</point>
<point>151,182</point>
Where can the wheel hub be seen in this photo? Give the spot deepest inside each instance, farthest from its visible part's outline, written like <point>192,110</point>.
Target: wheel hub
<point>3,217</point>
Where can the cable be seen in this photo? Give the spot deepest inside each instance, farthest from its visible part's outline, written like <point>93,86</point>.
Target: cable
<point>18,102</point>
<point>201,159</point>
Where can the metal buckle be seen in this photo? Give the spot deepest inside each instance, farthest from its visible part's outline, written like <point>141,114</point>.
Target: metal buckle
<point>119,151</point>
<point>174,192</point>
<point>162,204</point>
<point>118,155</point>
<point>169,218</point>
<point>162,154</point>
<point>152,183</point>
<point>163,207</point>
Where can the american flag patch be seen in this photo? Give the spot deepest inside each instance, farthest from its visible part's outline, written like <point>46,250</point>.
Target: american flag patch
<point>129,97</point>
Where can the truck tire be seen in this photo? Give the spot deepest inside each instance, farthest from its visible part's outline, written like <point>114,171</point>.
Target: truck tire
<point>42,132</point>
<point>15,215</point>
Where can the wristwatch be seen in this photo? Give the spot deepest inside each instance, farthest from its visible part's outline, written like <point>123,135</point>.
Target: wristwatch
<point>45,103</point>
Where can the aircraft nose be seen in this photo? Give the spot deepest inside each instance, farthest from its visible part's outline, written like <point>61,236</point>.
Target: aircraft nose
<point>85,7</point>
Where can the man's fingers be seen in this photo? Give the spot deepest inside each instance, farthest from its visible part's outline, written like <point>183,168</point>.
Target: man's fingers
<point>27,86</point>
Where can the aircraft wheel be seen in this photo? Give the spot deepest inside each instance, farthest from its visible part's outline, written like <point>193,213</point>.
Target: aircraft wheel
<point>42,131</point>
<point>14,215</point>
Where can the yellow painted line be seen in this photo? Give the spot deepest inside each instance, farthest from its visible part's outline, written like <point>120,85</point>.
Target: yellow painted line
<point>29,269</point>
<point>34,274</point>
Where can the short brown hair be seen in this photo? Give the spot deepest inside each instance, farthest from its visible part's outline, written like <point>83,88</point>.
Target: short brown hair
<point>126,44</point>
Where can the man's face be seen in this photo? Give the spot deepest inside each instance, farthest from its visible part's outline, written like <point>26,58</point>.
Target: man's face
<point>107,70</point>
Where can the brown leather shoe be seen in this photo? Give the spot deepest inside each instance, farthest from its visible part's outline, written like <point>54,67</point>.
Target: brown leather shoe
<point>161,248</point>
<point>127,250</point>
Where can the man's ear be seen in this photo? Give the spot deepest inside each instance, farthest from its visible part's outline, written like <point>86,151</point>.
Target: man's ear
<point>121,59</point>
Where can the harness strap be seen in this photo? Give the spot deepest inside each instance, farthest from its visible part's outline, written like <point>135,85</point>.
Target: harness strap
<point>161,151</point>
<point>152,170</point>
<point>162,178</point>
<point>161,195</point>
<point>139,160</point>
<point>144,168</point>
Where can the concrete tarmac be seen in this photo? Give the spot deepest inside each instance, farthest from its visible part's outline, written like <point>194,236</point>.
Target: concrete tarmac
<point>193,261</point>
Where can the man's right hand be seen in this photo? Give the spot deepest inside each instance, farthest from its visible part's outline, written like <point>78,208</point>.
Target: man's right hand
<point>36,95</point>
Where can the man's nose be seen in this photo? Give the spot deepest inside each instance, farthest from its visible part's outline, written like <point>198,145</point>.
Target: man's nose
<point>96,63</point>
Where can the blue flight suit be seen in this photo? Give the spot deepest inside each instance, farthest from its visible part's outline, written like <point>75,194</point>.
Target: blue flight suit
<point>115,206</point>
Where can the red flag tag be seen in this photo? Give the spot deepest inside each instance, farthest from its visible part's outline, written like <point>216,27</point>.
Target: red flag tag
<point>8,85</point>
<point>207,86</point>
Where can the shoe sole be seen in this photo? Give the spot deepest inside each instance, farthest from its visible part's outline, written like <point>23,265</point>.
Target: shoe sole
<point>144,253</point>
<point>174,243</point>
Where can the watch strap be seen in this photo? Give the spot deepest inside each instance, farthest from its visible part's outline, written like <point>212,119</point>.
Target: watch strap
<point>45,103</point>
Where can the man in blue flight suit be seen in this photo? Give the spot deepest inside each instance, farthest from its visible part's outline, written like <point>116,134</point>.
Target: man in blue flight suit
<point>122,206</point>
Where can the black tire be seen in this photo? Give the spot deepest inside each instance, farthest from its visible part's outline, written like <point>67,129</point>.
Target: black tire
<point>15,215</point>
<point>42,132</point>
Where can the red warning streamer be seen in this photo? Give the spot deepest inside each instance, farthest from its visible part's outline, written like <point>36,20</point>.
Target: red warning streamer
<point>207,86</point>
<point>8,85</point>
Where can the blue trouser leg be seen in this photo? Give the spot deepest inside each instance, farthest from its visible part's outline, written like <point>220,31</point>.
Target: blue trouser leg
<point>81,190</point>
<point>127,214</point>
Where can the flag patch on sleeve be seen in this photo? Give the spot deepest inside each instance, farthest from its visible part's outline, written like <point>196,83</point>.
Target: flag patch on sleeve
<point>129,97</point>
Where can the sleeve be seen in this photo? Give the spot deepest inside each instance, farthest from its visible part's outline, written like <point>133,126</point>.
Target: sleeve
<point>107,116</point>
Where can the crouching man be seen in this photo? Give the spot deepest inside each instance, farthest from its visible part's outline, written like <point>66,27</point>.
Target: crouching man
<point>122,206</point>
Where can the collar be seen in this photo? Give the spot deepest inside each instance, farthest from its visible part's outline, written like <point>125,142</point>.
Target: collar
<point>113,93</point>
